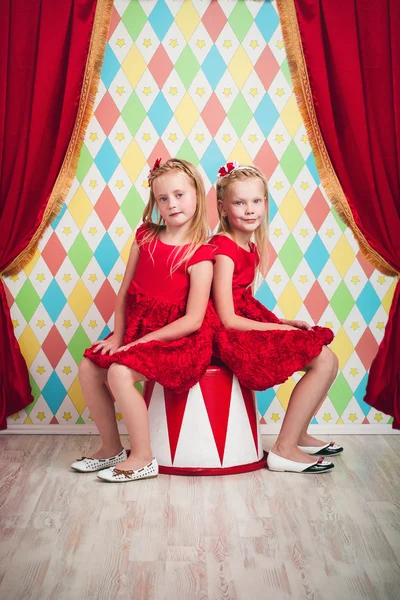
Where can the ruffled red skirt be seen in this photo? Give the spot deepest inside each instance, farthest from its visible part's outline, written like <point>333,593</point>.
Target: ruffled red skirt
<point>177,365</point>
<point>262,359</point>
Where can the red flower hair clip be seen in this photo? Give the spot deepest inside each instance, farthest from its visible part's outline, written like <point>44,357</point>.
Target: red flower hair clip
<point>228,168</point>
<point>155,167</point>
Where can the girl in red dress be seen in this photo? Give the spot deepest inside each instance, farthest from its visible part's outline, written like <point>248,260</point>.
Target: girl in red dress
<point>261,349</point>
<point>163,320</point>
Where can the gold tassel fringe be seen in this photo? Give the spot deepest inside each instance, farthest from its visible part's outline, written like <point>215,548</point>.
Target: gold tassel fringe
<point>67,172</point>
<point>302,90</point>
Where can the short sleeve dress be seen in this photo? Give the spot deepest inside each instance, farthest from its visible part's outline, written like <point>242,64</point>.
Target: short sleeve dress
<point>156,298</point>
<point>260,359</point>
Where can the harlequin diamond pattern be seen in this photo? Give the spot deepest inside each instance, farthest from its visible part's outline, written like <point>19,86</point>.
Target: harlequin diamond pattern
<point>207,81</point>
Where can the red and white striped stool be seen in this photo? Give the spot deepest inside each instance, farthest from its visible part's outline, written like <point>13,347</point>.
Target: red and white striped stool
<point>211,430</point>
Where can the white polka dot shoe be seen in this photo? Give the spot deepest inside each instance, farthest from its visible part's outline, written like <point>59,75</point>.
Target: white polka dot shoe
<point>115,475</point>
<point>88,465</point>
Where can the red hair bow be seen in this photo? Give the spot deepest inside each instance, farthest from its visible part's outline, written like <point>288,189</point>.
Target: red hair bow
<point>155,167</point>
<point>228,168</point>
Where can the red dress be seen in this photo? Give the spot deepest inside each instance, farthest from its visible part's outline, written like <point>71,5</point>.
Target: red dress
<point>261,359</point>
<point>155,299</point>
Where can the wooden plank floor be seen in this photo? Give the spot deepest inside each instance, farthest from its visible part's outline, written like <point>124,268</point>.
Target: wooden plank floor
<point>68,536</point>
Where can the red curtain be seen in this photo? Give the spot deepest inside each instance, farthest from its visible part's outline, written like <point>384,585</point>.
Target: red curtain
<point>44,47</point>
<point>352,55</point>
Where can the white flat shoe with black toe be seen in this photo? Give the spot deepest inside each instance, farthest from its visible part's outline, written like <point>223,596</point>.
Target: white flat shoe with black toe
<point>115,475</point>
<point>331,449</point>
<point>278,463</point>
<point>88,465</point>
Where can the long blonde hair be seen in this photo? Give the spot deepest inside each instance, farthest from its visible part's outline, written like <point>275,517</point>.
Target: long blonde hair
<point>198,230</point>
<point>261,233</point>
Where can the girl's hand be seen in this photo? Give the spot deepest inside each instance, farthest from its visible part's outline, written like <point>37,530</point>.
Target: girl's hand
<point>108,346</point>
<point>125,348</point>
<point>298,324</point>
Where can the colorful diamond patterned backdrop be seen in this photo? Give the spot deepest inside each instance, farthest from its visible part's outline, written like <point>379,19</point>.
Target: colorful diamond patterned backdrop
<point>206,81</point>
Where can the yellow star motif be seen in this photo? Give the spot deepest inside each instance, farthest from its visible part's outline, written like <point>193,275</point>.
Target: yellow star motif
<point>354,326</point>
<point>172,137</point>
<point>199,137</point>
<point>93,136</point>
<point>304,185</point>
<point>93,324</point>
<point>41,416</point>
<point>329,324</point>
<point>119,184</point>
<point>119,231</point>
<point>355,279</point>
<point>14,278</point>
<point>146,137</point>
<point>145,183</point>
<point>120,137</point>
<point>173,91</point>
<point>118,416</point>
<point>303,278</point>
<point>381,279</point>
<point>380,325</point>
<point>353,417</point>
<point>40,277</point>
<point>67,324</point>
<point>330,233</point>
<point>119,277</point>
<point>275,417</point>
<point>92,230</point>
<point>253,92</point>
<point>15,323</point>
<point>304,233</point>
<point>173,43</point>
<point>227,92</point>
<point>279,44</point>
<point>280,92</point>
<point>120,42</point>
<point>147,90</point>
<point>253,138</point>
<point>67,370</point>
<point>378,417</point>
<point>278,185</point>
<point>226,138</point>
<point>67,230</point>
<point>40,370</point>
<point>200,43</point>
<point>200,91</point>
<point>120,90</point>
<point>327,417</point>
<point>277,279</point>
<point>146,43</point>
<point>40,324</point>
<point>227,44</point>
<point>15,416</point>
<point>254,44</point>
<point>329,279</point>
<point>67,277</point>
<point>353,372</point>
<point>92,277</point>
<point>278,232</point>
<point>304,139</point>
<point>93,183</point>
<point>279,138</point>
<point>90,417</point>
<point>67,416</point>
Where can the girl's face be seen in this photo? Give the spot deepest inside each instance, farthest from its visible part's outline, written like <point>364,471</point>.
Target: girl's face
<point>175,197</point>
<point>244,204</point>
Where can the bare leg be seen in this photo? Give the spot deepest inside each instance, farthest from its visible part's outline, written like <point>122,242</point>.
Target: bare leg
<point>306,396</point>
<point>101,405</point>
<point>121,380</point>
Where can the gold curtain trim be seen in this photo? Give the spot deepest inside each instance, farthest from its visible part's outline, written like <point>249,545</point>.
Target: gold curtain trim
<point>67,172</point>
<point>302,90</point>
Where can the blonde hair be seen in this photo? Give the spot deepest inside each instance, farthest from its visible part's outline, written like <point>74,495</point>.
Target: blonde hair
<point>198,230</point>
<point>261,233</point>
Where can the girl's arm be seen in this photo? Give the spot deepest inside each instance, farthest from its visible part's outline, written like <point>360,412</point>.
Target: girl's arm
<point>200,284</point>
<point>111,344</point>
<point>223,300</point>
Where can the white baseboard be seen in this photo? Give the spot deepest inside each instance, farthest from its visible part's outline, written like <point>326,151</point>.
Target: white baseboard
<point>89,429</point>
